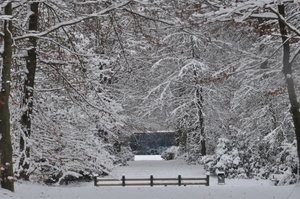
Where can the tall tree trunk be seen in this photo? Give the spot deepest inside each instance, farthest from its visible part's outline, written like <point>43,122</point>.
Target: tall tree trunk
<point>199,104</point>
<point>287,71</point>
<point>6,150</point>
<point>201,121</point>
<point>200,115</point>
<point>28,93</point>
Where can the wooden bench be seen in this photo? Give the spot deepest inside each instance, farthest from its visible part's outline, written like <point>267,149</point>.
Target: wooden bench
<point>179,181</point>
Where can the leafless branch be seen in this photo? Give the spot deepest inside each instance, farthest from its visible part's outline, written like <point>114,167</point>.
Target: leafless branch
<point>72,22</point>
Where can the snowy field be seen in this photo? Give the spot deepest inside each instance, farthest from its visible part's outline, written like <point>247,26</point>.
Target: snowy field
<point>233,189</point>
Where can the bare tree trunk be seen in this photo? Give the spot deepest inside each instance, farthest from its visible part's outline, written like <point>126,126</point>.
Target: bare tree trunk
<point>200,115</point>
<point>199,104</point>
<point>5,142</point>
<point>287,71</point>
<point>201,121</point>
<point>28,93</point>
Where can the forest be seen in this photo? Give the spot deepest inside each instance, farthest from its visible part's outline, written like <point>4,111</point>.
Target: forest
<point>79,76</point>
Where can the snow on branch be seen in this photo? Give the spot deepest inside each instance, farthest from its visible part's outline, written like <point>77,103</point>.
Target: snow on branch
<point>150,18</point>
<point>282,19</point>
<point>4,4</point>
<point>297,52</point>
<point>86,2</point>
<point>102,109</point>
<point>191,65</point>
<point>245,10</point>
<point>5,17</point>
<point>224,13</point>
<point>72,22</point>
<point>157,89</point>
<point>66,48</point>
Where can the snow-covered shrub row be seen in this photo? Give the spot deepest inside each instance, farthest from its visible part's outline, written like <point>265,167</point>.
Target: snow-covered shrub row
<point>240,161</point>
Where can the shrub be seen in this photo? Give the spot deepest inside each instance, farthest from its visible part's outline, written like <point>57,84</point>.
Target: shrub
<point>239,161</point>
<point>171,153</point>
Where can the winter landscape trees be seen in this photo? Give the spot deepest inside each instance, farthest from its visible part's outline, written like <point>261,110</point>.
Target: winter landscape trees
<point>84,74</point>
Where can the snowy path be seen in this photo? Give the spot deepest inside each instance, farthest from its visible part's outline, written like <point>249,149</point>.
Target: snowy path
<point>233,189</point>
<point>159,169</point>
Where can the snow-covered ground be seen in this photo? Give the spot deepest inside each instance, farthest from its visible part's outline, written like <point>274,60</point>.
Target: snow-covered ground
<point>233,189</point>
<point>147,157</point>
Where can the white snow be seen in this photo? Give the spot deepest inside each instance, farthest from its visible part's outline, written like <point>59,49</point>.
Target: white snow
<point>147,157</point>
<point>233,189</point>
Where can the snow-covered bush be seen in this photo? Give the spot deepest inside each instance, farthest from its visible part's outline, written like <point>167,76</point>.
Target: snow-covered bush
<point>123,155</point>
<point>226,158</point>
<point>286,168</point>
<point>171,153</point>
<point>240,161</point>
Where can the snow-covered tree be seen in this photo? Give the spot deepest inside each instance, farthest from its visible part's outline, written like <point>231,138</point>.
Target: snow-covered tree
<point>271,18</point>
<point>69,110</point>
<point>260,109</point>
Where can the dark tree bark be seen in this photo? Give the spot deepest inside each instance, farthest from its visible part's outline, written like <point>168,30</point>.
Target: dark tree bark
<point>6,150</point>
<point>28,92</point>
<point>201,121</point>
<point>287,71</point>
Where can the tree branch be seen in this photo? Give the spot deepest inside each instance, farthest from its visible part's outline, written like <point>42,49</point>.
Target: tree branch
<point>72,22</point>
<point>171,23</point>
<point>282,19</point>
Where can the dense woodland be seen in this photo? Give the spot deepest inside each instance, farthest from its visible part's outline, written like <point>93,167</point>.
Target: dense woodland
<point>79,76</point>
